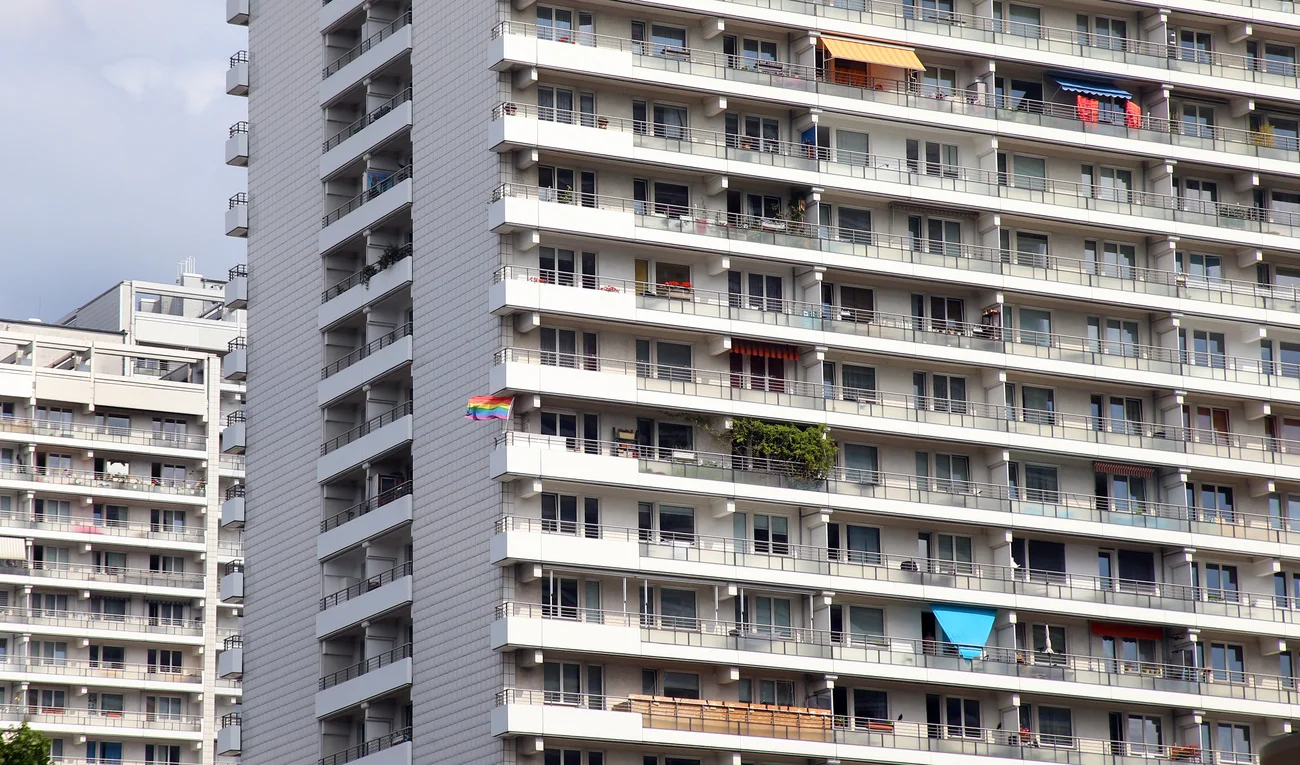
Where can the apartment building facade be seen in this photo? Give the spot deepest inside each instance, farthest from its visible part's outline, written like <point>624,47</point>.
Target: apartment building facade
<point>1033,268</point>
<point>112,484</point>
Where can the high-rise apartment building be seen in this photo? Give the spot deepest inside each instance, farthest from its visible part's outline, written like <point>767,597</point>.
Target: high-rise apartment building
<point>116,467</point>
<point>1034,267</point>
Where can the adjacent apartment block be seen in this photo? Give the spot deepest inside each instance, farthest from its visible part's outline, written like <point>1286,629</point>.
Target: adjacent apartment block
<point>1033,266</point>
<point>115,469</point>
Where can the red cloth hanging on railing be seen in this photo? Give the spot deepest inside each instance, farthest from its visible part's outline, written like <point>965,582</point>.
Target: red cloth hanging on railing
<point>1133,114</point>
<point>1088,108</point>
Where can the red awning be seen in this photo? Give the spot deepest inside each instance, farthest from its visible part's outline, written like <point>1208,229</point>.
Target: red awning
<point>1116,468</point>
<point>1135,631</point>
<point>765,350</point>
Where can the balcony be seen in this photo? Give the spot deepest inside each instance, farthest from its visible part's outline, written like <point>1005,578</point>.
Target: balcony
<point>233,466</point>
<point>1060,275</point>
<point>366,520</point>
<point>530,456</point>
<point>230,662</point>
<point>368,57</point>
<point>234,365</point>
<point>359,683</point>
<point>229,735</point>
<point>392,749</point>
<point>695,150</point>
<point>374,438</point>
<point>237,75</point>
<point>237,287</point>
<point>90,529</point>
<point>115,485</point>
<point>37,670</point>
<point>889,658</point>
<point>232,582</point>
<point>370,362</point>
<point>802,87</point>
<point>334,11</point>
<point>237,144</point>
<point>372,129</point>
<point>232,509</point>
<point>383,199</point>
<point>105,626</point>
<point>237,215</point>
<point>881,575</point>
<point>233,438</point>
<point>69,720</point>
<point>367,599</point>
<point>718,391</point>
<point>373,283</point>
<point>102,577</point>
<point>658,721</point>
<point>237,12</point>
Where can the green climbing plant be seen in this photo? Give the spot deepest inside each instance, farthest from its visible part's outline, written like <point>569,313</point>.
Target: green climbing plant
<point>808,448</point>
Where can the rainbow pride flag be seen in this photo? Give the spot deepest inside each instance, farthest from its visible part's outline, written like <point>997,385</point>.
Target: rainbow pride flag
<point>489,407</point>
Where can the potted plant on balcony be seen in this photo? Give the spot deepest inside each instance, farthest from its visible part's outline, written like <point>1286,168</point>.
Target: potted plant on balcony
<point>677,290</point>
<point>805,452</point>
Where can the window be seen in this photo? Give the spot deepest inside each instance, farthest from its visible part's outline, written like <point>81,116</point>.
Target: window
<point>751,132</point>
<point>952,473</point>
<point>1226,661</point>
<point>948,392</point>
<point>854,544</point>
<point>1102,32</point>
<point>852,148</point>
<point>164,661</point>
<point>932,158</point>
<point>560,348</point>
<point>111,563</point>
<point>560,515</point>
<point>162,707</point>
<point>765,615</point>
<point>164,428</point>
<point>952,555</point>
<point>671,200</point>
<point>675,524</point>
<point>163,613</point>
<point>159,520</point>
<point>1120,493</point>
<point>558,105</point>
<point>1194,46</point>
<point>1113,259</point>
<point>853,224</point>
<point>857,383</point>
<point>771,534</point>
<point>162,754</point>
<point>759,292</point>
<point>1022,172</point>
<point>1047,641</point>
<point>1030,249</point>
<point>1278,58</point>
<point>49,652</point>
<point>962,717</point>
<point>566,185</point>
<point>663,360</point>
<point>1199,270</point>
<point>1232,743</point>
<point>1203,348</point>
<point>1112,184</point>
<point>938,82</point>
<point>1221,583</point>
<point>938,314</point>
<point>850,304</point>
<point>1197,196</point>
<point>1020,95</point>
<point>1198,120</point>
<point>43,604</point>
<point>665,41</point>
<point>1114,337</point>
<point>52,511</point>
<point>861,464</point>
<point>108,656</point>
<point>1035,327</point>
<point>678,609</point>
<point>108,704</point>
<point>1117,414</point>
<point>669,120</point>
<point>681,685</point>
<point>1038,405</point>
<point>167,563</point>
<point>1212,503</point>
<point>557,266</point>
<point>46,557</point>
<point>759,691</point>
<point>103,753</point>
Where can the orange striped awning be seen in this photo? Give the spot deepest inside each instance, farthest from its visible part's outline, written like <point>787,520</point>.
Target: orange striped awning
<point>1119,468</point>
<point>765,350</point>
<point>872,53</point>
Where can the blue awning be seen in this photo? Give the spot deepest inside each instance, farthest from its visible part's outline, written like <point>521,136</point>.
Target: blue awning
<point>967,626</point>
<point>1090,87</point>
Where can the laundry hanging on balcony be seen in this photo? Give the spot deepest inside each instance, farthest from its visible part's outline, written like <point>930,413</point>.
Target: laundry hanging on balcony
<point>967,626</point>
<point>1089,109</point>
<point>1133,115</point>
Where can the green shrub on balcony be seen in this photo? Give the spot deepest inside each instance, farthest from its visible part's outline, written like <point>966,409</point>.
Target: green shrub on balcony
<point>808,449</point>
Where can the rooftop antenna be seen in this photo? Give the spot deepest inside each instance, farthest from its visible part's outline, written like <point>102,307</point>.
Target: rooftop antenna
<point>187,266</point>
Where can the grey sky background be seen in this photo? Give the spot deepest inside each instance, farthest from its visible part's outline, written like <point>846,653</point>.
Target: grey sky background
<point>114,126</point>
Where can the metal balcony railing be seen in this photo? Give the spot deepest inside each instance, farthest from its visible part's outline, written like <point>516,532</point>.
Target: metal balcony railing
<point>1166,441</point>
<point>365,351</point>
<point>366,120</point>
<point>235,417</point>
<point>788,75</point>
<point>942,492</point>
<point>369,665</point>
<point>364,275</point>
<point>376,189</point>
<point>37,714</point>
<point>100,621</point>
<point>368,748</point>
<point>366,428</point>
<point>232,567</point>
<point>239,342</point>
<point>239,128</point>
<point>108,669</point>
<point>365,506</point>
<point>917,652</point>
<point>68,477</point>
<point>232,718</point>
<point>367,585</point>
<point>102,526</point>
<point>238,199</point>
<point>240,57</point>
<point>808,724</point>
<point>240,270</point>
<point>232,642</point>
<point>365,45</point>
<point>109,433</point>
<point>111,574</point>
<point>236,490</point>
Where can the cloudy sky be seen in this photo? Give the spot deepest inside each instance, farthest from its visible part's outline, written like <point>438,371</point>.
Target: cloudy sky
<point>115,122</point>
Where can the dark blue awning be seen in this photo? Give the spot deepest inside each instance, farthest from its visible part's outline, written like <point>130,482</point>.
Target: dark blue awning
<point>1090,87</point>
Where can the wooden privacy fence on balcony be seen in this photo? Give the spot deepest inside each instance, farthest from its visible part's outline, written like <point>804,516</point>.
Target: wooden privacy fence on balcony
<point>731,717</point>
